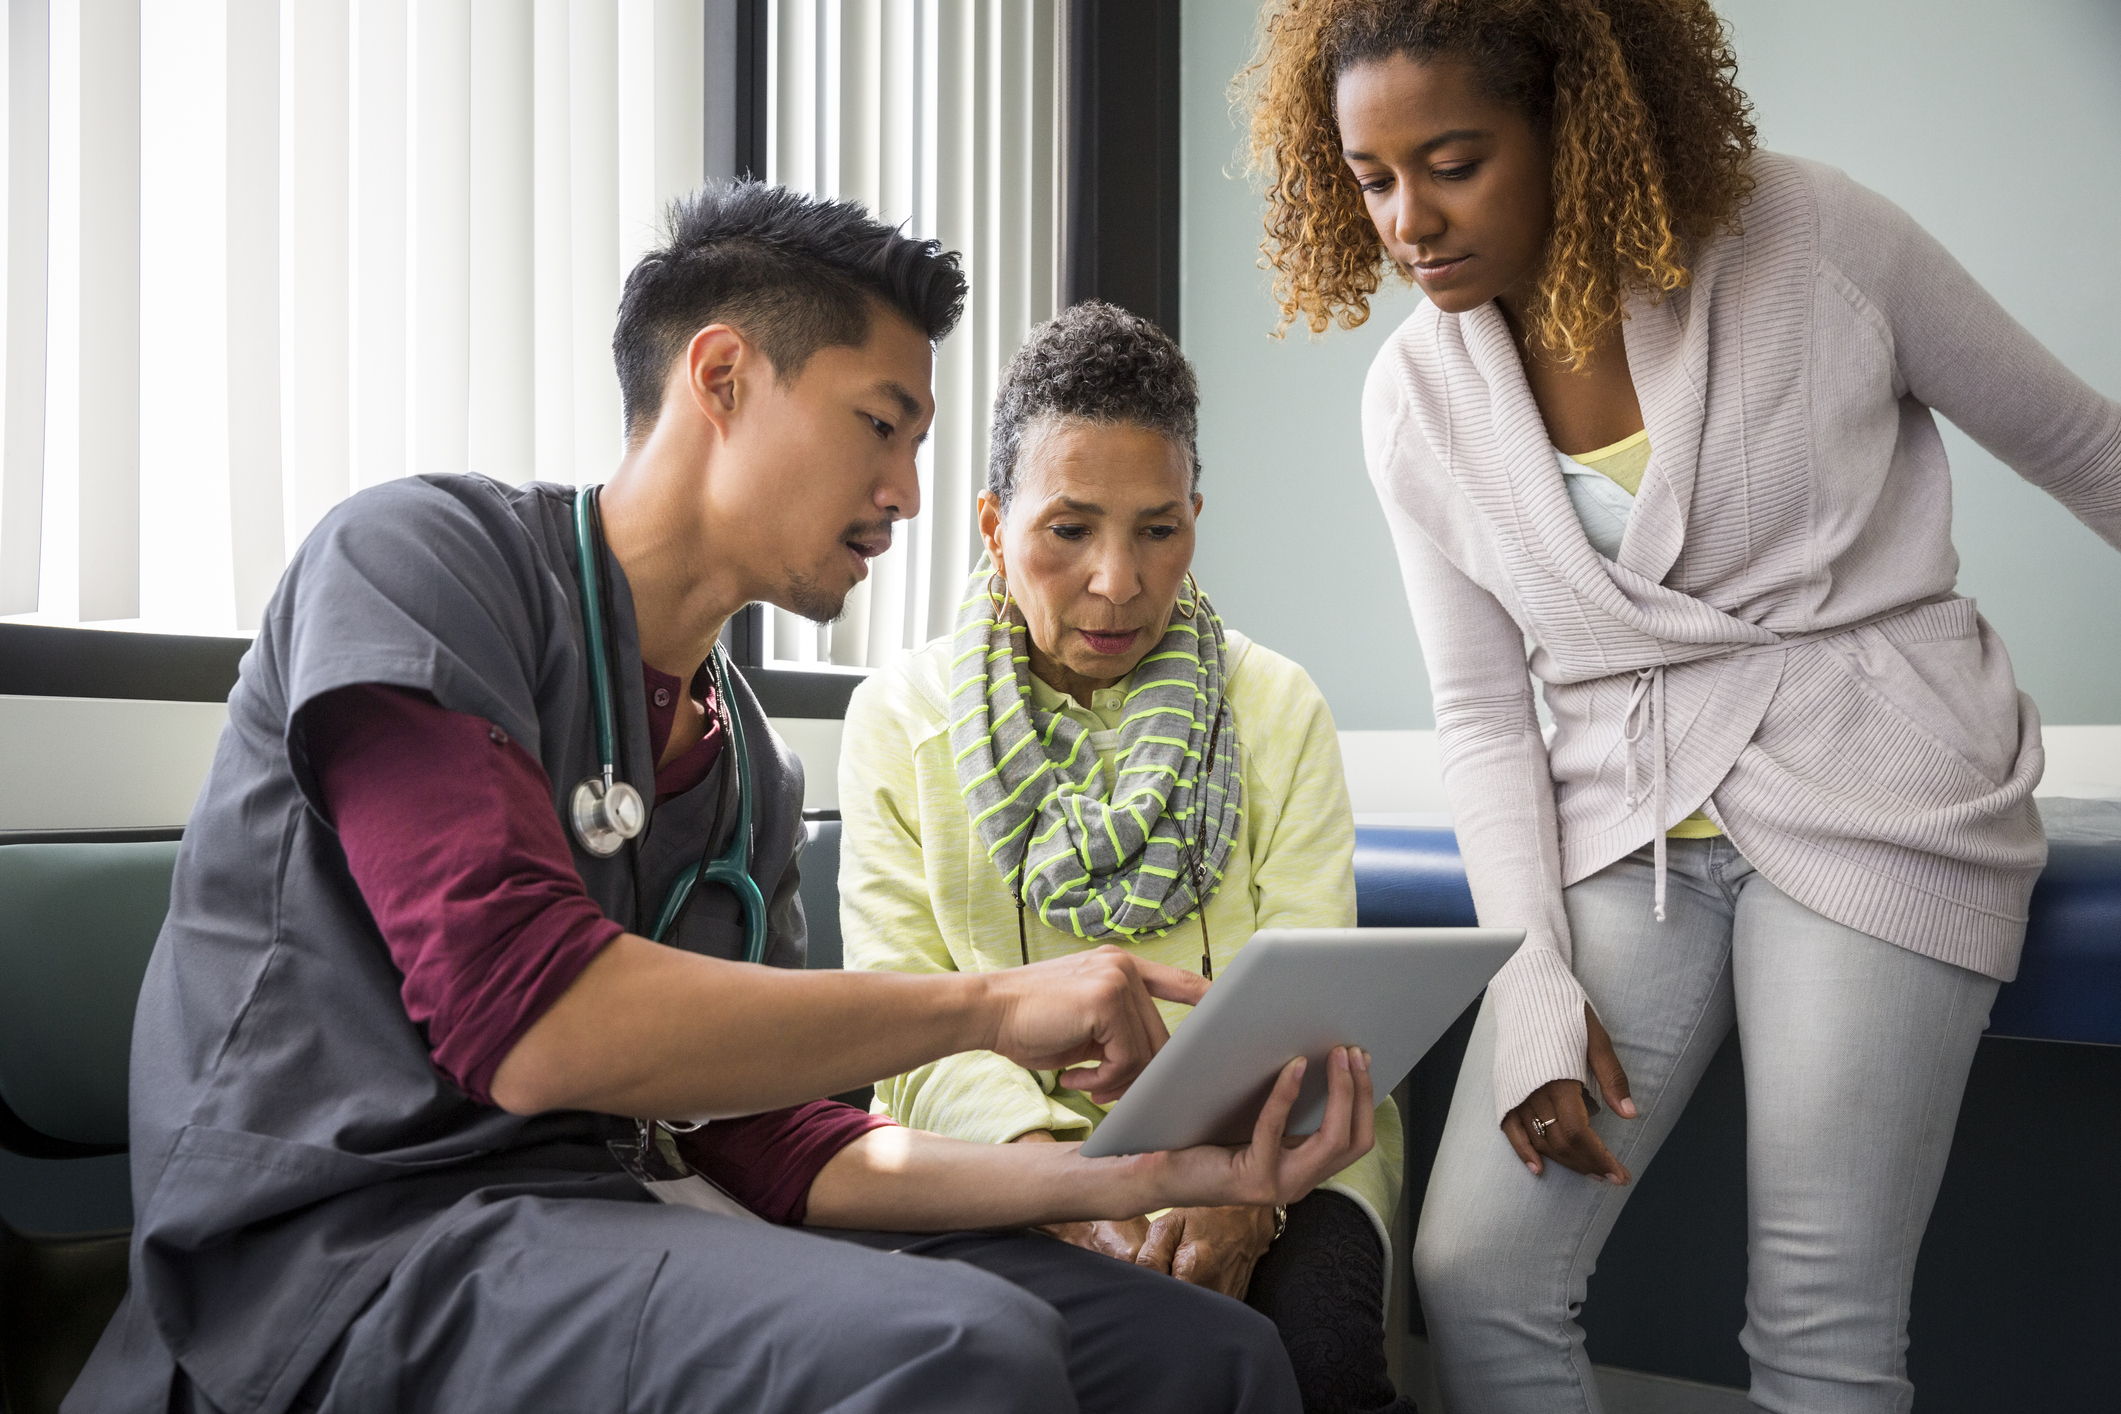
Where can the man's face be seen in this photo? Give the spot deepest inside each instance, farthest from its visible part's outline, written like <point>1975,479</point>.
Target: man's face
<point>825,465</point>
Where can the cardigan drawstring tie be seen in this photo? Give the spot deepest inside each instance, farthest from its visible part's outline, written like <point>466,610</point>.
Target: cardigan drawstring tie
<point>1644,723</point>
<point>1645,717</point>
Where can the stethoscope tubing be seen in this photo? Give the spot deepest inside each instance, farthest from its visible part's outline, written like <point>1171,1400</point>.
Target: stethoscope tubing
<point>587,548</point>
<point>732,868</point>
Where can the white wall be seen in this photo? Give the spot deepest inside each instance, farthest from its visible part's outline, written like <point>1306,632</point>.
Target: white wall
<point>1997,126</point>
<point>76,763</point>
<point>95,763</point>
<point>1291,547</point>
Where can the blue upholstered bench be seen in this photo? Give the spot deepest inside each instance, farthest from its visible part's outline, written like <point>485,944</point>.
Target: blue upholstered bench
<point>2069,982</point>
<point>2068,986</point>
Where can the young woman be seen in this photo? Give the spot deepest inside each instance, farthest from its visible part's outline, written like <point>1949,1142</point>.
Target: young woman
<point>1085,760</point>
<point>1666,422</point>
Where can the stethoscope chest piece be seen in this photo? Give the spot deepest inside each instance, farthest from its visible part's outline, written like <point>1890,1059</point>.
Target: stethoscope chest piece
<point>606,814</point>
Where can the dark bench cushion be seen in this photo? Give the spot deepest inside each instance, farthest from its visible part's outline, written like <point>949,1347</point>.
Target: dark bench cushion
<point>77,922</point>
<point>2069,981</point>
<point>820,888</point>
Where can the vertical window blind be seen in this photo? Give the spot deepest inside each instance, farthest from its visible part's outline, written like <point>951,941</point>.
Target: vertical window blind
<point>260,254</point>
<point>944,115</point>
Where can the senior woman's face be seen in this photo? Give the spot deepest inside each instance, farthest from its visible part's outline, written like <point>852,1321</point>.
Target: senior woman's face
<point>1457,184</point>
<point>1095,546</point>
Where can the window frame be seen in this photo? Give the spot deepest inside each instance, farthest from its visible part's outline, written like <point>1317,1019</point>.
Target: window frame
<point>1122,229</point>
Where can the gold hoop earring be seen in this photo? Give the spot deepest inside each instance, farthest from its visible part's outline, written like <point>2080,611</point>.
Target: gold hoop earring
<point>1001,614</point>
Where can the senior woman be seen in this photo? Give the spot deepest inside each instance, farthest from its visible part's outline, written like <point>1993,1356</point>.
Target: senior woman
<point>1666,419</point>
<point>1087,756</point>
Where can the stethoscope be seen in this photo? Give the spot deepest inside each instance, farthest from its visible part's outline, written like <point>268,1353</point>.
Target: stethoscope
<point>607,812</point>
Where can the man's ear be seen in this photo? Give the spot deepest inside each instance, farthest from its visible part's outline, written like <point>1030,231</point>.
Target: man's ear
<point>720,367</point>
<point>990,529</point>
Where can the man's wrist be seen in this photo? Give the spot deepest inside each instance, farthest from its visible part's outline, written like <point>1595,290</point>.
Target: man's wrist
<point>1077,1189</point>
<point>962,1011</point>
<point>979,1012</point>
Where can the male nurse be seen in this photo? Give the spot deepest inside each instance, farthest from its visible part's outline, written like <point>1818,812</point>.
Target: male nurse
<point>404,1006</point>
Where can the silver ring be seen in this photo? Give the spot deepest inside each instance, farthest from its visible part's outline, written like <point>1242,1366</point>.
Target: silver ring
<point>1541,1126</point>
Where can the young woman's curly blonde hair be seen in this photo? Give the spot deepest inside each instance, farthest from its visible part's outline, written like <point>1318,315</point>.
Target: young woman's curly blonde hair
<point>1649,132</point>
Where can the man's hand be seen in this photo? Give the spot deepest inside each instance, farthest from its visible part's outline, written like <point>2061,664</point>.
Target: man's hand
<point>1554,1122</point>
<point>1278,1169</point>
<point>1089,1015</point>
<point>902,1180</point>
<point>1212,1247</point>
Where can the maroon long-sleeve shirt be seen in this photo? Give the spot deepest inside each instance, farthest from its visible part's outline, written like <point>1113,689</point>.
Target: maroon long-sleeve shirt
<point>449,831</point>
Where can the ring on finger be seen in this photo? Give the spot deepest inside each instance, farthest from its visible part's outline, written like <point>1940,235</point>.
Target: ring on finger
<point>1541,1126</point>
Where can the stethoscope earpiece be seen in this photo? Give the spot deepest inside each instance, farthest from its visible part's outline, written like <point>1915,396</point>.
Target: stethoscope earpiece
<point>606,814</point>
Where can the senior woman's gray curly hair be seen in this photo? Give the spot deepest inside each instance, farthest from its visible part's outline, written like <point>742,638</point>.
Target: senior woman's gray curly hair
<point>1093,362</point>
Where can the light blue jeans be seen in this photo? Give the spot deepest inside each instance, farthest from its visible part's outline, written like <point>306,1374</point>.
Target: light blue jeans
<point>1856,1052</point>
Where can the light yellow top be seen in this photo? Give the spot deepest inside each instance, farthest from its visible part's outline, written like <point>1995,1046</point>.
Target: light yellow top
<point>1623,464</point>
<point>918,895</point>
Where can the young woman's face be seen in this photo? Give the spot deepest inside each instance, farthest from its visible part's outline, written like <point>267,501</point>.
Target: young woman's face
<point>1095,545</point>
<point>1458,185</point>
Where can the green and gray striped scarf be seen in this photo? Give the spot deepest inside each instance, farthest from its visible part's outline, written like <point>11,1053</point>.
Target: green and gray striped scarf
<point>1091,855</point>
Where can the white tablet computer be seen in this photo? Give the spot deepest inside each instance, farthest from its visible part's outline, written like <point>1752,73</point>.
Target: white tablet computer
<point>1301,992</point>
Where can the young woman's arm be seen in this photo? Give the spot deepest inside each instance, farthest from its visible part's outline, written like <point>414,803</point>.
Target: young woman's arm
<point>1502,805</point>
<point>1494,765</point>
<point>1961,353</point>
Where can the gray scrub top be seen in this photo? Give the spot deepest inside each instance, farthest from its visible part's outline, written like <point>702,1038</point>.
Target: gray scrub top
<point>290,1137</point>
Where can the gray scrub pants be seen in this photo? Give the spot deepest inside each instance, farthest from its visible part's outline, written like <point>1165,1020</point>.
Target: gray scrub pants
<point>1856,1052</point>
<point>578,1304</point>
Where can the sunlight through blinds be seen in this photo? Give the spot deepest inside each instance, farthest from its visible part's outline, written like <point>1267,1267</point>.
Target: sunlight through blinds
<point>260,254</point>
<point>263,253</point>
<point>944,115</point>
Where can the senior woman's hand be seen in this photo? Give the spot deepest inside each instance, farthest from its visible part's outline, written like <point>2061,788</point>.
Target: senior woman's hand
<point>1121,1239</point>
<point>1221,1195</point>
<point>1212,1247</point>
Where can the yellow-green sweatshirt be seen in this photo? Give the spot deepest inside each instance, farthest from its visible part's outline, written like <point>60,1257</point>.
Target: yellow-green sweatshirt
<point>917,893</point>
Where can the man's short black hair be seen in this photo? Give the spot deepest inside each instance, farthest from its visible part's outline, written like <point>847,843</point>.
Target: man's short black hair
<point>1093,362</point>
<point>795,273</point>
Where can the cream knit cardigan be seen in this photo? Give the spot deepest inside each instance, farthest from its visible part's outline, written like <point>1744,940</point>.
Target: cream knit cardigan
<point>1779,636</point>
